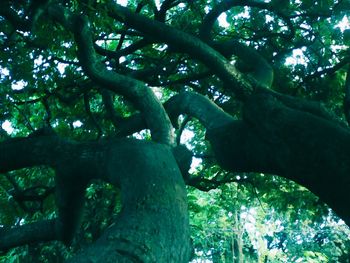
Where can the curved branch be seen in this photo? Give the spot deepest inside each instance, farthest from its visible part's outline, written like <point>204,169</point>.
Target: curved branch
<point>135,91</point>
<point>193,104</point>
<point>166,5</point>
<point>122,52</point>
<point>181,41</point>
<point>123,35</point>
<point>260,70</point>
<point>211,18</point>
<point>197,106</point>
<point>159,16</point>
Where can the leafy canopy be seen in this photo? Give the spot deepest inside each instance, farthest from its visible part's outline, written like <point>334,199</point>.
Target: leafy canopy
<point>42,83</point>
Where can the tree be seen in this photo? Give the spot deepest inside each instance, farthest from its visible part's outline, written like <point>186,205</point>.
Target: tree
<point>99,62</point>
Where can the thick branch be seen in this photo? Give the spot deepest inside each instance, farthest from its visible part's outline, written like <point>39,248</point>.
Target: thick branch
<point>147,174</point>
<point>279,135</point>
<point>19,153</point>
<point>193,104</point>
<point>135,91</point>
<point>198,106</point>
<point>297,145</point>
<point>187,43</point>
<point>260,70</point>
<point>211,18</point>
<point>40,231</point>
<point>75,165</point>
<point>153,223</point>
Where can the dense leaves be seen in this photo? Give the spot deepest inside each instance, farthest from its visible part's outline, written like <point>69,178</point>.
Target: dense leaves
<point>235,217</point>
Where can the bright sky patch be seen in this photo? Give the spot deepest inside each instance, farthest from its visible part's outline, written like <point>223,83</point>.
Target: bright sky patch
<point>7,126</point>
<point>77,124</point>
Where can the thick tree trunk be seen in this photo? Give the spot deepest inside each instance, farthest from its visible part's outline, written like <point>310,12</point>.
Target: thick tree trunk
<point>153,225</point>
<point>273,138</point>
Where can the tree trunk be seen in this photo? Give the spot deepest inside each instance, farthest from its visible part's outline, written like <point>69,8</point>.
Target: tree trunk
<point>300,146</point>
<point>153,224</point>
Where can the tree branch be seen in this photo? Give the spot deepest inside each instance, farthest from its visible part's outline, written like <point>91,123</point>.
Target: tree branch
<point>260,70</point>
<point>40,231</point>
<point>122,52</point>
<point>189,44</point>
<point>211,18</point>
<point>109,107</point>
<point>193,104</point>
<point>197,106</point>
<point>17,153</point>
<point>135,91</point>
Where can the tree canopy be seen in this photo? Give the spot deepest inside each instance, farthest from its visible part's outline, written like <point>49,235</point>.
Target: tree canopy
<point>189,131</point>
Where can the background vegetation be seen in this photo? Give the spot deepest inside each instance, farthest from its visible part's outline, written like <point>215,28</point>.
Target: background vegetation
<point>251,217</point>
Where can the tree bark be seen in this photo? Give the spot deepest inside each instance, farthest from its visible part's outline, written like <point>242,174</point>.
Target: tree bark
<point>273,138</point>
<point>153,225</point>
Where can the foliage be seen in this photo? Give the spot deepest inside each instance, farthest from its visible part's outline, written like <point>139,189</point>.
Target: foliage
<point>270,219</point>
<point>275,227</point>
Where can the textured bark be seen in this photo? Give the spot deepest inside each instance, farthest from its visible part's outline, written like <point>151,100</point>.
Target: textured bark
<point>279,135</point>
<point>135,91</point>
<point>153,224</point>
<point>273,138</point>
<point>186,43</point>
<point>40,231</point>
